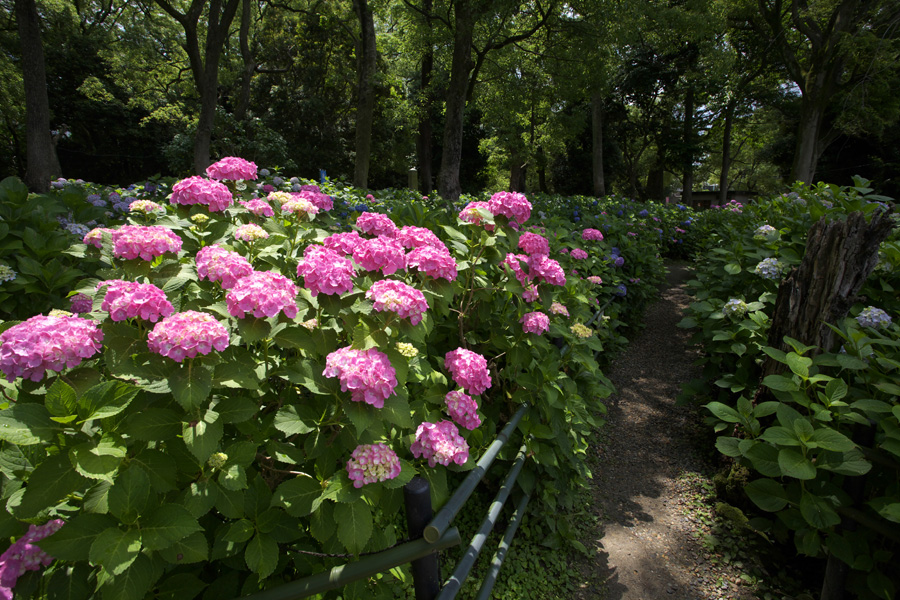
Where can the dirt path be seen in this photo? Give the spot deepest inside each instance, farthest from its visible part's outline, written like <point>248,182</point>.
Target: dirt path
<point>644,542</point>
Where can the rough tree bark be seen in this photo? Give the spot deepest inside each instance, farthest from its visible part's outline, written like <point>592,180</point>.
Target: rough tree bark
<point>597,144</point>
<point>38,141</point>
<point>243,103</point>
<point>424,152</point>
<point>687,174</point>
<point>365,89</point>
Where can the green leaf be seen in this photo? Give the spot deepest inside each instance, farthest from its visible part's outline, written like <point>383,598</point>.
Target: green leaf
<point>298,496</point>
<point>106,399</point>
<point>232,477</point>
<point>61,400</point>
<point>732,268</point>
<point>153,425</point>
<point>844,463</point>
<point>261,555</point>
<point>354,525</point>
<point>396,410</point>
<point>230,503</point>
<point>160,468</point>
<point>129,495</point>
<point>724,412</point>
<point>236,409</point>
<point>803,429</point>
<point>192,549</point>
<point>794,464</point>
<point>167,525</point>
<point>407,472</point>
<point>764,409</point>
<point>798,347</point>
<point>728,446</point>
<point>767,494</point>
<point>239,532</point>
<point>202,438</point>
<point>361,415</point>
<point>891,512</point>
<point>73,542</point>
<point>799,365</point>
<point>780,436</point>
<point>115,550</point>
<point>134,583</point>
<point>181,586</point>
<point>765,459</point>
<point>100,461</point>
<point>96,498</point>
<point>829,439</point>
<point>780,383</point>
<point>27,424</point>
<point>850,362</point>
<point>289,422</point>
<point>817,512</point>
<point>253,329</point>
<point>191,385</point>
<point>835,390</point>
<point>49,484</point>
<point>70,583</point>
<point>881,585</point>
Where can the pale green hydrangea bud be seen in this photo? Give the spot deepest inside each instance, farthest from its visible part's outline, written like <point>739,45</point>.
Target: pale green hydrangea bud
<point>407,350</point>
<point>217,460</point>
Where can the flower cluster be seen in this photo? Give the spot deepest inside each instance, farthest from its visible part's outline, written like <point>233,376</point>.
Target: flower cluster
<point>258,207</point>
<point>579,254</point>
<point>440,443</point>
<point>321,201</point>
<point>81,303</point>
<point>514,262</point>
<point>325,271</point>
<point>734,206</point>
<point>533,244</point>
<point>469,370</point>
<point>218,264</point>
<point>410,237</point>
<point>596,280</point>
<point>343,243</point>
<point>381,253</point>
<point>263,294</point>
<point>232,167</point>
<point>544,268</point>
<point>408,350</point>
<point>44,343</point>
<point>129,299</point>
<point>368,374</point>
<point>434,261</point>
<point>198,190</point>
<point>25,555</point>
<point>535,322</point>
<point>399,298</point>
<point>470,213</point>
<point>592,235</point>
<point>873,317</point>
<point>300,207</point>
<point>250,233</point>
<point>133,241</point>
<point>186,334</point>
<point>559,309</point>
<point>513,205</point>
<point>376,224</point>
<point>144,206</point>
<point>764,231</point>
<point>581,330</point>
<point>734,307</point>
<point>621,291</point>
<point>769,268</point>
<point>371,463</point>
<point>461,407</point>
<point>6,273</point>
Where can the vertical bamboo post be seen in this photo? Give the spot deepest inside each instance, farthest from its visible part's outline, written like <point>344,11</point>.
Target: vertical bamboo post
<point>426,571</point>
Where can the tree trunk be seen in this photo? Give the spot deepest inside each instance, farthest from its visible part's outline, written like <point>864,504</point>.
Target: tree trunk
<point>687,173</point>
<point>517,172</point>
<point>542,170</point>
<point>243,103</point>
<point>38,142</point>
<point>808,151</point>
<point>597,144</point>
<point>365,88</point>
<point>839,257</point>
<point>655,183</point>
<point>425,132</point>
<point>726,152</point>
<point>451,156</point>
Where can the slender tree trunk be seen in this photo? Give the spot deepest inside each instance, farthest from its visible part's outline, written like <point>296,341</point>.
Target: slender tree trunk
<point>655,182</point>
<point>726,152</point>
<point>451,156</point>
<point>812,111</point>
<point>687,174</point>
<point>517,172</point>
<point>597,144</point>
<point>365,87</point>
<point>38,142</point>
<point>243,103</point>
<point>425,132</point>
<point>542,169</point>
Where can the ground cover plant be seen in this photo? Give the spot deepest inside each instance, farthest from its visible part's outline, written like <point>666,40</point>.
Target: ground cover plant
<point>247,369</point>
<point>822,453</point>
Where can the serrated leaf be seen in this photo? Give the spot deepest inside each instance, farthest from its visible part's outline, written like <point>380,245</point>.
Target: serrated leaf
<point>232,477</point>
<point>153,425</point>
<point>50,483</point>
<point>73,541</point>
<point>817,512</point>
<point>765,459</point>
<point>160,468</point>
<point>799,365</point>
<point>166,525</point>
<point>202,438</point>
<point>289,422</point>
<point>192,549</point>
<point>298,496</point>
<point>100,461</point>
<point>794,464</point>
<point>253,329</point>
<point>732,268</point>
<point>239,532</point>
<point>850,362</point>
<point>70,583</point>
<point>115,550</point>
<point>181,586</point>
<point>191,385</point>
<point>407,472</point>
<point>27,424</point>
<point>61,400</point>
<point>236,409</point>
<point>129,495</point>
<point>106,399</point>
<point>836,390</point>
<point>96,499</point>
<point>134,583</point>
<point>230,503</point>
<point>354,525</point>
<point>361,415</point>
<point>261,555</point>
<point>396,410</point>
<point>767,494</point>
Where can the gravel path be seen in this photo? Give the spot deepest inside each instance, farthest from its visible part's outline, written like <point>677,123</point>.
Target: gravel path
<point>645,542</point>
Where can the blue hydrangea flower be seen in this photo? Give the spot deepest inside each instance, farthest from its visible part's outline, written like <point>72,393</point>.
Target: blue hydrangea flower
<point>621,290</point>
<point>6,273</point>
<point>769,268</point>
<point>276,181</point>
<point>643,213</point>
<point>734,307</point>
<point>873,317</point>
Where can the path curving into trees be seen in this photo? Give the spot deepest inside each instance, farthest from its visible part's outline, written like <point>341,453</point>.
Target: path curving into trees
<point>644,544</point>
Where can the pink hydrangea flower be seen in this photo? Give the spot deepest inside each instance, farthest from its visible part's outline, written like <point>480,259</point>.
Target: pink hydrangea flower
<point>514,262</point>
<point>258,207</point>
<point>94,237</point>
<point>513,205</point>
<point>310,187</point>
<point>186,334</point>
<point>544,268</point>
<point>44,343</point>
<point>371,463</point>
<point>533,243</point>
<point>461,407</point>
<point>218,264</point>
<point>144,206</point>
<point>133,241</point>
<point>198,190</point>
<point>250,233</point>
<point>343,243</point>
<point>595,280</point>
<point>376,224</point>
<point>81,303</point>
<point>399,298</point>
<point>434,262</point>
<point>530,294</point>
<point>469,370</point>
<point>232,167</point>
<point>564,251</point>
<point>559,309</point>
<point>592,235</point>
<point>410,237</point>
<point>440,443</point>
<point>299,206</point>
<point>25,555</point>
<point>325,271</point>
<point>579,254</point>
<point>381,253</point>
<point>263,295</point>
<point>129,299</point>
<point>368,374</point>
<point>535,322</point>
<point>321,201</point>
<point>471,215</point>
